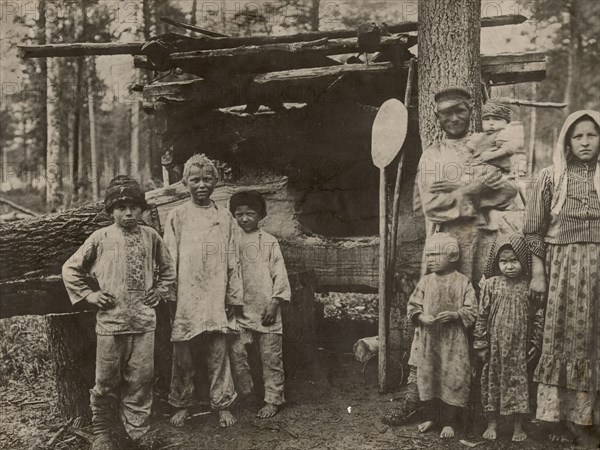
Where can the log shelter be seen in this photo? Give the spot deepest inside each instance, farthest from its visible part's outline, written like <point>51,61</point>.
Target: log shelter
<point>290,116</point>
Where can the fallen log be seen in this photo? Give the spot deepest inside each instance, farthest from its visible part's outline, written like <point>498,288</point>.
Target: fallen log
<point>135,48</point>
<point>34,250</point>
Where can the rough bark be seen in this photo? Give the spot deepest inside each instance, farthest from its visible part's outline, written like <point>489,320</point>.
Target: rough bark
<point>53,175</point>
<point>449,41</point>
<point>72,343</point>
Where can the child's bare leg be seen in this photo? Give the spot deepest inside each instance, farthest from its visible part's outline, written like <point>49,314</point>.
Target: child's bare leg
<point>271,355</point>
<point>226,419</point>
<point>182,385</point>
<point>179,417</point>
<point>519,434</point>
<point>222,392</point>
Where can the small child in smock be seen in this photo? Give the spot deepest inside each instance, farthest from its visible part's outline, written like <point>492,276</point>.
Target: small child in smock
<point>266,285</point>
<point>444,307</point>
<point>114,270</point>
<point>508,334</point>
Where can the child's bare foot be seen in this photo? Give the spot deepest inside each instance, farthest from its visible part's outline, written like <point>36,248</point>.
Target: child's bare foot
<point>518,434</point>
<point>447,432</point>
<point>425,426</point>
<point>179,417</point>
<point>226,419</point>
<point>267,411</point>
<point>490,432</point>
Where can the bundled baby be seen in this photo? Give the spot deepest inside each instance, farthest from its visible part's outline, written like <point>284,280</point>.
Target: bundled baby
<point>497,143</point>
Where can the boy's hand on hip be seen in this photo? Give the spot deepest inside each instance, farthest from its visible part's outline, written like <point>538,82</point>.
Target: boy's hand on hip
<point>101,299</point>
<point>269,315</point>
<point>446,316</point>
<point>152,299</point>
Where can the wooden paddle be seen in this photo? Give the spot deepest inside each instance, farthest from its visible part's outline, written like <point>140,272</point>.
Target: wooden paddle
<point>389,132</point>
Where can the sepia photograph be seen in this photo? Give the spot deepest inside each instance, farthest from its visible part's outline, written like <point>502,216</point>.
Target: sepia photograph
<point>299,224</point>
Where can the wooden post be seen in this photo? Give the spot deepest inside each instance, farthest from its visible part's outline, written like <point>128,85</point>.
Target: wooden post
<point>299,325</point>
<point>531,150</point>
<point>167,158</point>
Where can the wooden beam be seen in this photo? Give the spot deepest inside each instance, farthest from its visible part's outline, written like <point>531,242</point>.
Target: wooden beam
<point>514,68</point>
<point>264,58</point>
<point>310,85</point>
<point>80,49</point>
<point>134,48</point>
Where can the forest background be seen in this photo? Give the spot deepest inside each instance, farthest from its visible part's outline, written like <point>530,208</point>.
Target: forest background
<point>53,112</point>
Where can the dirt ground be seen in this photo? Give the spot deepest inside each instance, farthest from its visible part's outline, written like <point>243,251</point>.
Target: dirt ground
<point>329,408</point>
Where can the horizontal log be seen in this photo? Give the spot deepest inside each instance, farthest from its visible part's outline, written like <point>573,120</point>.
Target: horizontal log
<point>80,49</point>
<point>348,265</point>
<point>363,82</point>
<point>206,43</point>
<point>265,58</point>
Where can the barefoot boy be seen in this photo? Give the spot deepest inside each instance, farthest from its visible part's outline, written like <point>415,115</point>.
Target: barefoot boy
<point>266,284</point>
<point>114,270</point>
<point>443,306</point>
<point>202,238</point>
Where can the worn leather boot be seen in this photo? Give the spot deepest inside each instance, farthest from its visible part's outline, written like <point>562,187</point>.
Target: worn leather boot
<point>103,420</point>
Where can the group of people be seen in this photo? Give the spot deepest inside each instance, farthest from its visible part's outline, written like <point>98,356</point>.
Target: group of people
<point>531,319</point>
<point>223,278</point>
<point>526,305</point>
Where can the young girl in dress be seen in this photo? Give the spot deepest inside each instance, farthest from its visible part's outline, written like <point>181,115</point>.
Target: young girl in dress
<point>444,307</point>
<point>507,334</point>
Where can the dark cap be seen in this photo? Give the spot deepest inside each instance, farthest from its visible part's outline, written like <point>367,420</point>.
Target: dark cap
<point>121,189</point>
<point>449,97</point>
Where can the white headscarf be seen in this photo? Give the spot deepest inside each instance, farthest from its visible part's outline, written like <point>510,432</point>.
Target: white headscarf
<point>560,160</point>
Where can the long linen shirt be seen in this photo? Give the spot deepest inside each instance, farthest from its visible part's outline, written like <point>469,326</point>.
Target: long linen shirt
<point>441,352</point>
<point>450,160</point>
<point>203,241</point>
<point>578,219</point>
<point>265,278</point>
<point>122,263</point>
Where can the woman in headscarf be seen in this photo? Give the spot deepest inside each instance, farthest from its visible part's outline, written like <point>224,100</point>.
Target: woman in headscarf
<point>562,227</point>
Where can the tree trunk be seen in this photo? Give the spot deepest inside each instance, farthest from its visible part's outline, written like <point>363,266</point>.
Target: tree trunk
<point>33,159</point>
<point>53,173</point>
<point>314,15</point>
<point>573,59</point>
<point>449,40</point>
<point>72,342</point>
<point>94,160</point>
